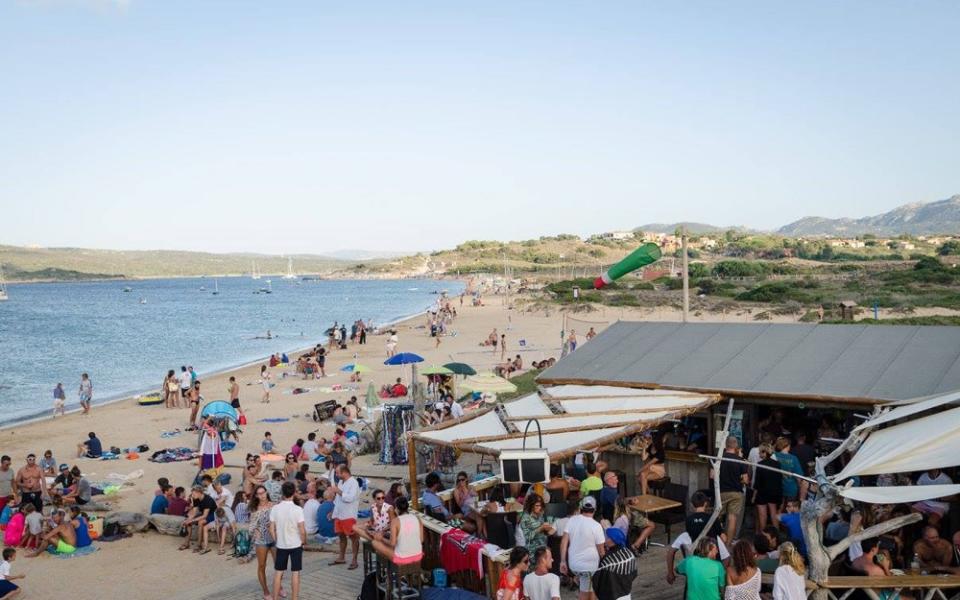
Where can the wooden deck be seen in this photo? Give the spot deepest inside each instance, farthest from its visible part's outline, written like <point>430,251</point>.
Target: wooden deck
<point>239,582</point>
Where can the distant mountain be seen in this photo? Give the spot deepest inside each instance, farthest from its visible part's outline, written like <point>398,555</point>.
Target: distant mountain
<point>692,228</point>
<point>357,254</point>
<point>942,216</point>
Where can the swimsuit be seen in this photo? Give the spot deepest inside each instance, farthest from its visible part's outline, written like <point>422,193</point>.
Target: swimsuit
<point>64,548</point>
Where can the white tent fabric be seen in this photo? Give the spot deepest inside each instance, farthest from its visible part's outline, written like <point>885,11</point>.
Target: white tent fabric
<point>906,409</point>
<point>899,494</point>
<point>554,442</point>
<point>605,391</point>
<point>594,421</point>
<point>488,424</point>
<point>918,445</point>
<point>528,406</point>
<point>667,403</point>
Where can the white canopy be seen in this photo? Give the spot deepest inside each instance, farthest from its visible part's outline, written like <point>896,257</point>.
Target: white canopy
<point>572,424</point>
<point>908,408</point>
<point>899,494</point>
<point>917,445</point>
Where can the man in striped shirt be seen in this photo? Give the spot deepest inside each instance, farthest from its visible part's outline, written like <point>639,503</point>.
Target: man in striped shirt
<point>613,579</point>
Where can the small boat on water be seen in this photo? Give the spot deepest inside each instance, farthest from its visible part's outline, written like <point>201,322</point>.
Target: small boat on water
<point>128,289</point>
<point>216,288</point>
<point>143,300</point>
<point>266,290</point>
<point>290,274</point>
<point>3,286</point>
<point>203,288</point>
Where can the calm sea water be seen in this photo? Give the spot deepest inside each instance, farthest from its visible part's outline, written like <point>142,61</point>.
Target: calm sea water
<point>53,332</point>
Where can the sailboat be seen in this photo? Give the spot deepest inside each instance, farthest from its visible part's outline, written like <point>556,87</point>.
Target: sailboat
<point>216,288</point>
<point>266,290</point>
<point>3,286</point>
<point>254,274</point>
<point>289,274</point>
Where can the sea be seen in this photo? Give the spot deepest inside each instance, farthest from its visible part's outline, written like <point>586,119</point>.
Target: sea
<point>127,340</point>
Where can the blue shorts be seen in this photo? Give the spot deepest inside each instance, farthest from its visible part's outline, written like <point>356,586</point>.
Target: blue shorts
<point>6,587</point>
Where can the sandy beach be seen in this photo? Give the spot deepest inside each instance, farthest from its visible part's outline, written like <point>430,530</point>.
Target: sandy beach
<point>148,564</point>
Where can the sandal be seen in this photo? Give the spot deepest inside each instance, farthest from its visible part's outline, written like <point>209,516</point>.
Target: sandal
<point>204,551</point>
<point>184,547</point>
<point>221,552</point>
<point>352,566</point>
<point>336,562</point>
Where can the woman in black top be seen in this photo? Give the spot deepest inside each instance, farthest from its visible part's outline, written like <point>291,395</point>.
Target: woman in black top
<point>769,488</point>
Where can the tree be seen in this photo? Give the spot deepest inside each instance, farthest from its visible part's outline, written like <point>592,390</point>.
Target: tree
<point>949,248</point>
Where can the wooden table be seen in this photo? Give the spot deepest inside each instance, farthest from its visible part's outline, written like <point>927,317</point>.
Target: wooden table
<point>649,503</point>
<point>932,585</point>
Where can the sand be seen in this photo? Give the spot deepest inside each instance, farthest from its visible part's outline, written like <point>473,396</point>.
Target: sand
<point>148,565</point>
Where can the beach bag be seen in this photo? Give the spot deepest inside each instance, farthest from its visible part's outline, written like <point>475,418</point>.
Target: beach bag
<point>369,590</point>
<point>224,479</point>
<point>242,420</point>
<point>241,543</point>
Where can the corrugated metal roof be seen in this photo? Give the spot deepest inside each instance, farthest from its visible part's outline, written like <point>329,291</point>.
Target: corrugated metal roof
<point>853,362</point>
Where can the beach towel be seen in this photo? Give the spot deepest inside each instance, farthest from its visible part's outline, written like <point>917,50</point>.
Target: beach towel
<point>210,454</point>
<point>275,420</point>
<point>170,434</point>
<point>173,455</point>
<point>227,445</point>
<point>86,550</point>
<point>460,551</point>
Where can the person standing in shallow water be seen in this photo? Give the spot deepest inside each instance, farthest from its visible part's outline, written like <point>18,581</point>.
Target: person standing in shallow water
<point>86,393</point>
<point>59,401</point>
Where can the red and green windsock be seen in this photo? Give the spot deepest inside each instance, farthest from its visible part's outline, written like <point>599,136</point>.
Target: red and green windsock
<point>641,257</point>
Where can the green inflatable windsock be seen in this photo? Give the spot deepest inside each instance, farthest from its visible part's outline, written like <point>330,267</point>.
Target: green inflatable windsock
<point>641,257</point>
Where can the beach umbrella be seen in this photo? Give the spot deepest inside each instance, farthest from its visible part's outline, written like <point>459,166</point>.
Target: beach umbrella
<point>435,370</point>
<point>461,368</point>
<point>355,368</point>
<point>372,400</point>
<point>487,383</point>
<point>403,358</point>
<point>219,408</point>
<point>211,457</point>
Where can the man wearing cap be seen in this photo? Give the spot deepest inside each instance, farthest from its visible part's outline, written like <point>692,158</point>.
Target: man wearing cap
<point>617,570</point>
<point>584,539</point>
<point>64,480</point>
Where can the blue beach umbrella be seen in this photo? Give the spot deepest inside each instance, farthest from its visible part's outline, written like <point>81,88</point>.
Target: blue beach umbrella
<point>404,358</point>
<point>219,408</point>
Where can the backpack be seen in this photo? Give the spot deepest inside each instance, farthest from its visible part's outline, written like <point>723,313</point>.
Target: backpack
<point>241,543</point>
<point>369,590</point>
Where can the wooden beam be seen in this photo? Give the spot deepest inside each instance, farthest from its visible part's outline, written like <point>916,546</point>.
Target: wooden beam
<point>412,463</point>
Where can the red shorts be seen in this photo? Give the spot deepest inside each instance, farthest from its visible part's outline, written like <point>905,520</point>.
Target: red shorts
<point>344,526</point>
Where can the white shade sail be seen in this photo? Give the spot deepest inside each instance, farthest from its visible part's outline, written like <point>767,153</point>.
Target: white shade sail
<point>929,442</point>
<point>899,494</point>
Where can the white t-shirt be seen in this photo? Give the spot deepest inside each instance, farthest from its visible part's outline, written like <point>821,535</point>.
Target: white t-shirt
<point>185,379</point>
<point>310,448</point>
<point>941,479</point>
<point>228,516</point>
<point>684,540</point>
<point>4,569</point>
<point>286,516</point>
<point>347,502</point>
<point>541,587</point>
<point>225,493</point>
<point>788,585</point>
<point>456,411</point>
<point>311,508</point>
<point>585,535</point>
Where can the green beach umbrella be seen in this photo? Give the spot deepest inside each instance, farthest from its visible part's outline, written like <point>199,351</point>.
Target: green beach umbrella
<point>435,370</point>
<point>355,368</point>
<point>461,368</point>
<point>372,400</point>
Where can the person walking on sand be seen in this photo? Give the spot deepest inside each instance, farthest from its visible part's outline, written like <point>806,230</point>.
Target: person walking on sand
<point>86,393</point>
<point>265,380</point>
<point>170,390</point>
<point>288,529</point>
<point>59,401</point>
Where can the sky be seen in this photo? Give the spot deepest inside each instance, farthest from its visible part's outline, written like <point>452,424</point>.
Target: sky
<point>304,127</point>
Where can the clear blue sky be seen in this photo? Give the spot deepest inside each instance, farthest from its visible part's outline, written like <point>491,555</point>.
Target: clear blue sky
<point>310,126</point>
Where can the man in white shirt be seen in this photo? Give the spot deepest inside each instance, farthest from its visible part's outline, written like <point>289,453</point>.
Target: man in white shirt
<point>541,584</point>
<point>345,507</point>
<point>286,527</point>
<point>186,382</point>
<point>585,540</point>
<point>310,446</point>
<point>219,492</point>
<point>933,509</point>
<point>311,508</point>
<point>456,411</point>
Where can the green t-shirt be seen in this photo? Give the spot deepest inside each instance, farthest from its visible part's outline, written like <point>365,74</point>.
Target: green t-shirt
<point>590,484</point>
<point>705,577</point>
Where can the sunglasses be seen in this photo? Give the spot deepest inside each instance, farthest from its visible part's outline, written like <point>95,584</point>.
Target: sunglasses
<point>461,479</point>
<point>379,498</point>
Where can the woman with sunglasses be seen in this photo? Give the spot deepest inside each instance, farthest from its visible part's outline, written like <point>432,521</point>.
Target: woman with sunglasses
<point>290,467</point>
<point>260,538</point>
<point>381,514</point>
<point>466,501</point>
<point>533,523</point>
<point>510,586</point>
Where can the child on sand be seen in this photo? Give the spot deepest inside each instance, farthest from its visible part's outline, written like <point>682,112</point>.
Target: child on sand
<point>8,589</point>
<point>33,527</point>
<point>267,443</point>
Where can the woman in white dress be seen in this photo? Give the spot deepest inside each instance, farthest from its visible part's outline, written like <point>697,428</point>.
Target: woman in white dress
<point>743,576</point>
<point>789,581</point>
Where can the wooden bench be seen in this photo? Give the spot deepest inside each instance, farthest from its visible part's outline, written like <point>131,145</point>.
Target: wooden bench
<point>931,585</point>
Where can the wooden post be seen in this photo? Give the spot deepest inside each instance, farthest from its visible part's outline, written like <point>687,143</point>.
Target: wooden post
<point>412,463</point>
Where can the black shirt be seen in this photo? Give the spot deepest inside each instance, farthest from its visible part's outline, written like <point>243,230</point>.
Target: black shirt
<point>731,473</point>
<point>806,454</point>
<point>205,503</point>
<point>697,521</point>
<point>769,484</point>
